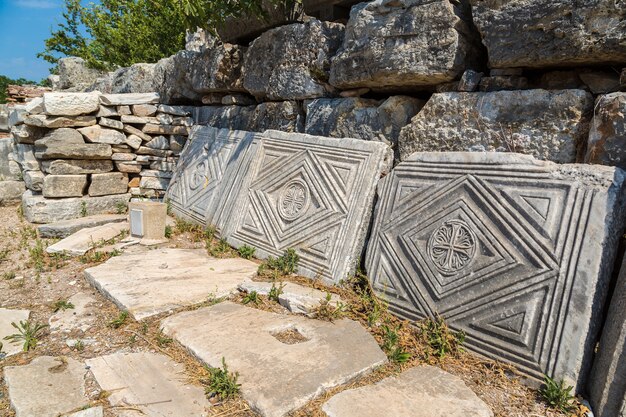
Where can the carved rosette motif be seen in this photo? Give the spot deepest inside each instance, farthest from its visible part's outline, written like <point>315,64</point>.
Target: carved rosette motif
<point>293,200</point>
<point>452,247</point>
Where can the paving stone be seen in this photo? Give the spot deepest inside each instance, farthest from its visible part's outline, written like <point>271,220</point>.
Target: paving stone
<point>424,391</point>
<point>64,185</point>
<point>108,184</point>
<point>90,412</point>
<point>309,193</point>
<point>7,317</point>
<point>80,318</point>
<point>65,228</point>
<point>150,383</point>
<point>38,209</point>
<point>96,134</point>
<point>276,377</point>
<point>200,172</point>
<point>86,239</point>
<point>166,279</point>
<point>607,383</point>
<point>76,166</point>
<point>70,104</point>
<point>494,243</point>
<point>46,387</point>
<point>129,99</point>
<point>296,298</point>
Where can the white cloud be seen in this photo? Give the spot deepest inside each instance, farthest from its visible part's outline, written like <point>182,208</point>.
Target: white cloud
<point>37,4</point>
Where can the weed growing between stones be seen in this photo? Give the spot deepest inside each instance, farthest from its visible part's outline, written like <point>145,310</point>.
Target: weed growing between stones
<point>121,207</point>
<point>162,340</point>
<point>8,275</point>
<point>219,249</point>
<point>28,333</point>
<point>276,292</point>
<point>119,321</point>
<point>83,209</point>
<point>284,265</point>
<point>391,345</point>
<point>246,252</point>
<point>62,305</point>
<point>440,340</point>
<point>329,311</point>
<point>37,255</point>
<point>251,297</point>
<point>168,231</point>
<point>557,395</point>
<point>222,383</point>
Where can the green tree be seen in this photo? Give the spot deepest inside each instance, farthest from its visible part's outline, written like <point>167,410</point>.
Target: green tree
<point>123,32</point>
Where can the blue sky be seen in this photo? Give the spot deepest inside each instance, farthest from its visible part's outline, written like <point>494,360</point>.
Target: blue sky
<point>24,25</point>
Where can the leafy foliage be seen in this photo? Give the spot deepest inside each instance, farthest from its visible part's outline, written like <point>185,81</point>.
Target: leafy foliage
<point>222,383</point>
<point>441,340</point>
<point>27,333</point>
<point>286,264</point>
<point>251,297</point>
<point>557,395</point>
<point>391,345</point>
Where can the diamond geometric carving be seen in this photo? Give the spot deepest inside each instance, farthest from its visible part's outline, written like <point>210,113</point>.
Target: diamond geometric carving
<point>511,252</point>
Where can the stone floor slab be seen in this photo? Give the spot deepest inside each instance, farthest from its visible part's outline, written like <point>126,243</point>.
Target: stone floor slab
<point>200,170</point>
<point>89,412</point>
<point>66,228</point>
<point>47,387</point>
<point>514,251</point>
<point>80,318</point>
<point>276,377</point>
<point>151,282</point>
<point>84,240</point>
<point>296,298</point>
<point>152,384</point>
<point>424,391</point>
<point>7,317</point>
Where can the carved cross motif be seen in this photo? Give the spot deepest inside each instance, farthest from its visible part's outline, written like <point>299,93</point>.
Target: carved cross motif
<point>452,246</point>
<point>293,200</point>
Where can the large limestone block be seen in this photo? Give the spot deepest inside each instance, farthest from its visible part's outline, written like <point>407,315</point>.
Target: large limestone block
<point>38,209</point>
<point>98,134</point>
<point>549,125</point>
<point>194,189</point>
<point>46,387</point>
<point>61,136</point>
<point>361,118</point>
<point>74,73</point>
<point>6,147</point>
<point>8,316</point>
<point>151,383</point>
<point>84,240</point>
<point>405,43</point>
<point>514,251</point>
<point>60,150</point>
<point>129,99</point>
<point>424,391</point>
<point>309,193</point>
<point>76,166</point>
<point>607,138</point>
<point>64,228</point>
<point>607,383</point>
<point>285,116</point>
<point>166,279</point>
<point>552,33</point>
<point>33,180</point>
<point>108,184</point>
<point>27,134</point>
<point>24,155</point>
<point>55,186</point>
<point>292,62</point>
<point>70,104</point>
<point>78,319</point>
<point>56,122</point>
<point>11,191</point>
<point>138,78</point>
<point>276,378</point>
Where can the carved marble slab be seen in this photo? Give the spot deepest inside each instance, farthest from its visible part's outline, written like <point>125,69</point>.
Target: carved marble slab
<point>198,177</point>
<point>309,193</point>
<point>515,252</point>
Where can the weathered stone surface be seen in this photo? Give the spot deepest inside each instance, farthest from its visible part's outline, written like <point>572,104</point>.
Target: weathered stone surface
<point>424,391</point>
<point>546,124</point>
<point>38,209</point>
<point>173,110</point>
<point>150,383</point>
<point>407,44</point>
<point>108,184</point>
<point>86,239</point>
<point>6,148</point>
<point>63,136</point>
<point>503,82</point>
<point>296,61</point>
<point>332,354</point>
<point>167,279</point>
<point>129,167</point>
<point>97,134</point>
<point>138,78</point>
<point>194,190</point>
<point>601,82</point>
<point>154,183</point>
<point>538,33</point>
<point>34,106</point>
<point>6,329</point>
<point>112,123</point>
<point>133,141</point>
<point>148,221</point>
<point>361,118</point>
<point>46,387</point>
<point>295,298</point>
<point>469,81</point>
<point>74,73</point>
<point>493,242</point>
<point>76,166</point>
<point>70,104</point>
<point>61,150</point>
<point>79,318</point>
<point>89,412</point>
<point>65,228</point>
<point>177,143</point>
<point>309,193</point>
<point>123,156</point>
<point>156,173</point>
<point>33,180</point>
<point>283,115</point>
<point>27,134</point>
<point>144,110</point>
<point>124,110</point>
<point>607,383</point>
<point>132,130</point>
<point>55,186</point>
<point>129,99</point>
<point>159,142</point>
<point>132,119</point>
<point>24,155</point>
<point>165,130</point>
<point>55,122</point>
<point>11,191</point>
<point>107,111</point>
<point>607,138</point>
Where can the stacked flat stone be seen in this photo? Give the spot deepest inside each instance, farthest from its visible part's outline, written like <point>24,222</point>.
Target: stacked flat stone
<point>90,145</point>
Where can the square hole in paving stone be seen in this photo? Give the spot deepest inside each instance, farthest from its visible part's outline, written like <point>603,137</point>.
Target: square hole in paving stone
<point>290,336</point>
